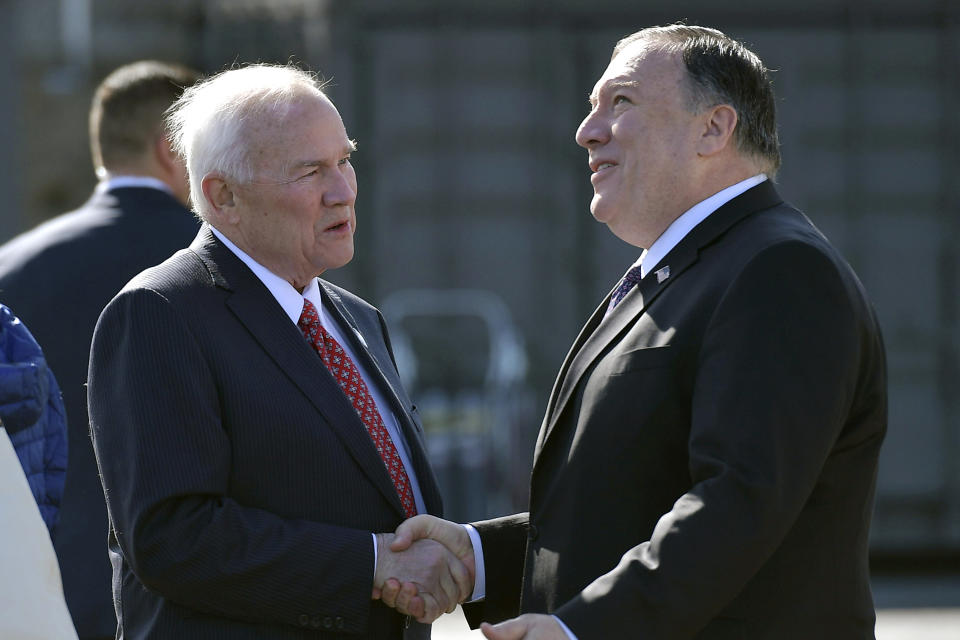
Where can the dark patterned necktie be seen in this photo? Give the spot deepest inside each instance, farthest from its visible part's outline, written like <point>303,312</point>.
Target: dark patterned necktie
<point>629,281</point>
<point>348,377</point>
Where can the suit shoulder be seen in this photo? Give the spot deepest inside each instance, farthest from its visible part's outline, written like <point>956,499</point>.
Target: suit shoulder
<point>176,276</point>
<point>779,228</point>
<point>54,235</point>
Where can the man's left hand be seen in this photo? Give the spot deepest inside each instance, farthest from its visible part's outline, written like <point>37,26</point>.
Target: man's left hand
<point>530,626</point>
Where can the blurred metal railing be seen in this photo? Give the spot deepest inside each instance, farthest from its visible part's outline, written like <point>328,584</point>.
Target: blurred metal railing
<point>462,359</point>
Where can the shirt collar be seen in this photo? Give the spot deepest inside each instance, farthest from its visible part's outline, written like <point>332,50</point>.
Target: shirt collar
<point>111,182</point>
<point>285,294</point>
<point>683,225</point>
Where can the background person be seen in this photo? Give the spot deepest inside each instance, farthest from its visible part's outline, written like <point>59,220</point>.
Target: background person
<point>31,410</point>
<point>61,274</point>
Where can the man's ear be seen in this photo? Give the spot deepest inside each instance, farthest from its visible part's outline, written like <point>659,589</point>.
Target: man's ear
<point>219,195</point>
<point>719,124</point>
<point>165,156</point>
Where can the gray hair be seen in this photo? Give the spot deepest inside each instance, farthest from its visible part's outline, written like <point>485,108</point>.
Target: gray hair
<point>721,70</point>
<point>207,124</point>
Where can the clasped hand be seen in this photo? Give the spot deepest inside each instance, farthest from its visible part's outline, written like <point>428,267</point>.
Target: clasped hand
<point>425,569</point>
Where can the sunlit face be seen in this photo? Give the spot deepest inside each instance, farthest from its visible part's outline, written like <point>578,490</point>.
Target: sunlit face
<point>296,217</point>
<point>641,137</point>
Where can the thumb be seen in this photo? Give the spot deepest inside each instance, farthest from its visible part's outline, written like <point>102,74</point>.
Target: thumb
<point>410,531</point>
<point>514,629</point>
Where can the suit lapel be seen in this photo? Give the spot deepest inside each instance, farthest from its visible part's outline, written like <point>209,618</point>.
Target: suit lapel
<point>378,362</point>
<point>253,305</point>
<point>600,333</point>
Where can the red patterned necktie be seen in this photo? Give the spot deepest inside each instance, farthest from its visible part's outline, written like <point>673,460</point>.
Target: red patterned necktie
<point>348,377</point>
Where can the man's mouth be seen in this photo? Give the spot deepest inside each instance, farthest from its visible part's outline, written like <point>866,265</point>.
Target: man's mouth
<point>340,226</point>
<point>597,165</point>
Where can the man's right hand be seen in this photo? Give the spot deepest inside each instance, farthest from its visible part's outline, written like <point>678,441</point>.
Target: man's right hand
<point>408,597</point>
<point>425,578</point>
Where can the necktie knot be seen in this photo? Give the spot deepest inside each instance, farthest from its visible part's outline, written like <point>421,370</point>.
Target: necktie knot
<point>628,282</point>
<point>309,324</point>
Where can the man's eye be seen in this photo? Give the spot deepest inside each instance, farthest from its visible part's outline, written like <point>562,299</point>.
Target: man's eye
<point>620,99</point>
<point>344,161</point>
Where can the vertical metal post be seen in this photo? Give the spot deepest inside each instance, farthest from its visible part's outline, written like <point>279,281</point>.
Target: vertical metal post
<point>948,268</point>
<point>12,217</point>
<point>76,32</point>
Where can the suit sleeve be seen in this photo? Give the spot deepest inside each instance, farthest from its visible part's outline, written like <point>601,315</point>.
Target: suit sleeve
<point>165,458</point>
<point>776,376</point>
<point>504,543</point>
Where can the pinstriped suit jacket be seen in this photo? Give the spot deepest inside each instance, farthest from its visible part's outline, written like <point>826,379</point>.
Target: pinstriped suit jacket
<point>241,485</point>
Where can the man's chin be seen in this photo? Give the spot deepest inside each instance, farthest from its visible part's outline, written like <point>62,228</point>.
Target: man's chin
<point>600,210</point>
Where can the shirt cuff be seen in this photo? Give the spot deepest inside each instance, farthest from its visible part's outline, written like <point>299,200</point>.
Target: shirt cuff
<point>480,577</point>
<point>565,628</point>
<point>374,556</point>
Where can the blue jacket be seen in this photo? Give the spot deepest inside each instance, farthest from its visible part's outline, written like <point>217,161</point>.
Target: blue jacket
<point>32,412</point>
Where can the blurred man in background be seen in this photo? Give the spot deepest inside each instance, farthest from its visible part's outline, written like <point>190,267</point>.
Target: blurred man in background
<point>707,463</point>
<point>60,275</point>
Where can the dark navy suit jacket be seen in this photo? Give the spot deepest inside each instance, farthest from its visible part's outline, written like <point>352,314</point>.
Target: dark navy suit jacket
<point>707,462</point>
<point>57,278</point>
<point>241,484</point>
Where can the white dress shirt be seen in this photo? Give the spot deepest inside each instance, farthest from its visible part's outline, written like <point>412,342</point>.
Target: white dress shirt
<point>119,182</point>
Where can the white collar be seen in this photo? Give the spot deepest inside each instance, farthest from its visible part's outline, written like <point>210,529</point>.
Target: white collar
<point>111,182</point>
<point>683,225</point>
<point>286,295</point>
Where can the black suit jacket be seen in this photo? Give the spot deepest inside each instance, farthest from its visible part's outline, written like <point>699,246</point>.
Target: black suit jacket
<point>241,484</point>
<point>707,463</point>
<point>58,277</point>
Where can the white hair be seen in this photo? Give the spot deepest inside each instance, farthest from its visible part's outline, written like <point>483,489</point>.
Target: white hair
<point>207,124</point>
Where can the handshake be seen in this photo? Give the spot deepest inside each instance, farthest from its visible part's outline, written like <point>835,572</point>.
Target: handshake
<point>424,569</point>
<point>427,568</point>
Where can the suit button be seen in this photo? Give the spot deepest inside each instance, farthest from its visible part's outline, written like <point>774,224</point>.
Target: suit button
<point>338,622</point>
<point>328,623</point>
<point>533,532</point>
<point>304,620</point>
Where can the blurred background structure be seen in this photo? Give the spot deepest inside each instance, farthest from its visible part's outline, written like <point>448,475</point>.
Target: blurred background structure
<point>474,232</point>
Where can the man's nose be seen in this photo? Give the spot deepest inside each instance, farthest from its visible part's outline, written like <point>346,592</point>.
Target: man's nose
<point>341,190</point>
<point>592,131</point>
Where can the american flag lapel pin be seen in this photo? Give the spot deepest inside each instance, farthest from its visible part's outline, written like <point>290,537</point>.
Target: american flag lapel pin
<point>662,274</point>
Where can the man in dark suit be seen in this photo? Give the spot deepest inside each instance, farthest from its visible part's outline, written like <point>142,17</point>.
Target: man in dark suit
<point>707,462</point>
<point>60,275</point>
<point>248,418</point>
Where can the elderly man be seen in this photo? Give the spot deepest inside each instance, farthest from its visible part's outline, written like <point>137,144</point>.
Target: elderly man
<point>73,265</point>
<point>248,419</point>
<point>707,462</point>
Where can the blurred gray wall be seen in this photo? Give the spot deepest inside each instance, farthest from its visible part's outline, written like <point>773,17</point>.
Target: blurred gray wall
<point>465,111</point>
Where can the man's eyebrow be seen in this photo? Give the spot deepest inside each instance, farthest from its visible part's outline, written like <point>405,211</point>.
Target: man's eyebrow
<point>348,149</point>
<point>612,87</point>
